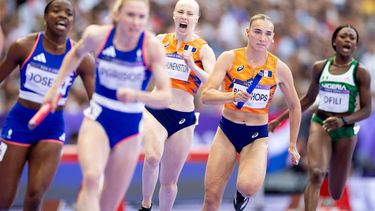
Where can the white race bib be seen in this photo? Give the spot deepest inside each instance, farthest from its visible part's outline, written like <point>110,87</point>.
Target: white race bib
<point>334,100</point>
<point>113,76</point>
<point>38,80</point>
<point>177,68</point>
<point>259,96</point>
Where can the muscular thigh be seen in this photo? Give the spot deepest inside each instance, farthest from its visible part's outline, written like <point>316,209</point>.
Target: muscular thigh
<point>154,135</point>
<point>253,161</point>
<point>342,154</point>
<point>44,158</point>
<point>318,147</point>
<point>93,145</point>
<point>221,160</point>
<point>176,150</point>
<point>12,165</point>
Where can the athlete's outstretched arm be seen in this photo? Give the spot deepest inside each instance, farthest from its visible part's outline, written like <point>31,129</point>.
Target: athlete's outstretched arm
<point>307,100</point>
<point>90,42</point>
<point>285,81</point>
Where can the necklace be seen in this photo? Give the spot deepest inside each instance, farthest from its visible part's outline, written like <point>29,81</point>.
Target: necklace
<point>58,46</point>
<point>341,65</point>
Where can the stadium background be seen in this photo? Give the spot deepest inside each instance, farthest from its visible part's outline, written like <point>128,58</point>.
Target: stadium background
<point>303,32</point>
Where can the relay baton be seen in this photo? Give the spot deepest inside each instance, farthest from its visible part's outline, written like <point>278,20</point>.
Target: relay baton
<point>41,114</point>
<point>252,86</point>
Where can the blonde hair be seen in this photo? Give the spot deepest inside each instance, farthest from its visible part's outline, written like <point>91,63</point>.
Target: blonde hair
<point>118,4</point>
<point>260,17</point>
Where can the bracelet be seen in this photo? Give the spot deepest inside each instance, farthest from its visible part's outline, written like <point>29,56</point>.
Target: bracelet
<point>344,120</point>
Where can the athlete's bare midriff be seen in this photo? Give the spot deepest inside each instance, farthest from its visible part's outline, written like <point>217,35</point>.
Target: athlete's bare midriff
<point>33,105</point>
<point>182,101</point>
<point>247,118</point>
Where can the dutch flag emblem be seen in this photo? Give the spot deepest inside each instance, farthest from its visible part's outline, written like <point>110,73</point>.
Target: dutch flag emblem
<point>266,73</point>
<point>190,48</point>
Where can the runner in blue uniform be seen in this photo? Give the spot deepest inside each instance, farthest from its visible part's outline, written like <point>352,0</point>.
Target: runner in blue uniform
<point>38,57</point>
<point>109,139</point>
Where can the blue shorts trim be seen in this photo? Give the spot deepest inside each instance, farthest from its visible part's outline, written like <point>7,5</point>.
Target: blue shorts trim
<point>15,128</point>
<point>173,120</point>
<point>240,135</point>
<point>119,126</point>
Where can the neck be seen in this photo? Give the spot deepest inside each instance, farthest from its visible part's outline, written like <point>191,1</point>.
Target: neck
<point>125,43</point>
<point>342,61</point>
<point>58,43</point>
<point>184,38</point>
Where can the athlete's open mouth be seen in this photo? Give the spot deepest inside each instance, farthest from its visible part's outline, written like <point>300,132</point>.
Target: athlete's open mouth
<point>182,25</point>
<point>348,47</point>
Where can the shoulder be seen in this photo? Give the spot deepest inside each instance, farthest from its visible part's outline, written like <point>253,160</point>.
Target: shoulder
<point>23,46</point>
<point>27,41</point>
<point>161,36</point>
<point>95,32</point>
<point>152,39</point>
<point>227,55</point>
<point>319,65</point>
<point>362,73</point>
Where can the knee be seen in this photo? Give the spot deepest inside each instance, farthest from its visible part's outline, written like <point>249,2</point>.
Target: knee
<point>91,180</point>
<point>35,195</point>
<point>248,188</point>
<point>211,201</point>
<point>152,160</point>
<point>317,176</point>
<point>169,186</point>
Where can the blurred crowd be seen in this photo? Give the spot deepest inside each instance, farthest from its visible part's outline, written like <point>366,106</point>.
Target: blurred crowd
<point>303,33</point>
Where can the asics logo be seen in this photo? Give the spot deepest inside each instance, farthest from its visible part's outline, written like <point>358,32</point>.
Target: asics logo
<point>182,121</point>
<point>255,135</point>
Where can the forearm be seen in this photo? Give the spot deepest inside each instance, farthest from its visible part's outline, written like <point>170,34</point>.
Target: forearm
<point>359,115</point>
<point>202,75</point>
<point>216,97</point>
<point>295,122</point>
<point>156,99</point>
<point>70,63</point>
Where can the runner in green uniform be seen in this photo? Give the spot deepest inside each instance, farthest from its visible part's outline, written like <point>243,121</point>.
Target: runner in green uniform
<point>343,86</point>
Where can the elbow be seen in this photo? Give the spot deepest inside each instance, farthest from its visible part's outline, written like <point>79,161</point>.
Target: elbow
<point>204,97</point>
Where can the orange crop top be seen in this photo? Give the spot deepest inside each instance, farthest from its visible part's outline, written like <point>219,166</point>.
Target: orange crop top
<point>240,75</point>
<point>181,76</point>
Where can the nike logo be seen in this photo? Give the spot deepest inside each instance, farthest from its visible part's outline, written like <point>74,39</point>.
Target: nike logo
<point>182,121</point>
<point>255,135</point>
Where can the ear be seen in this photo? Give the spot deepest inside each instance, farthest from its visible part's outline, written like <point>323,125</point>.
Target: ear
<point>247,32</point>
<point>115,15</point>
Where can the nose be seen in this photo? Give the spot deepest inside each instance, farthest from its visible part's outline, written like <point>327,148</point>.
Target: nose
<point>62,14</point>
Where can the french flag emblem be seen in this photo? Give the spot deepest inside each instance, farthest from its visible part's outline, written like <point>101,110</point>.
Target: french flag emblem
<point>190,48</point>
<point>266,73</point>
